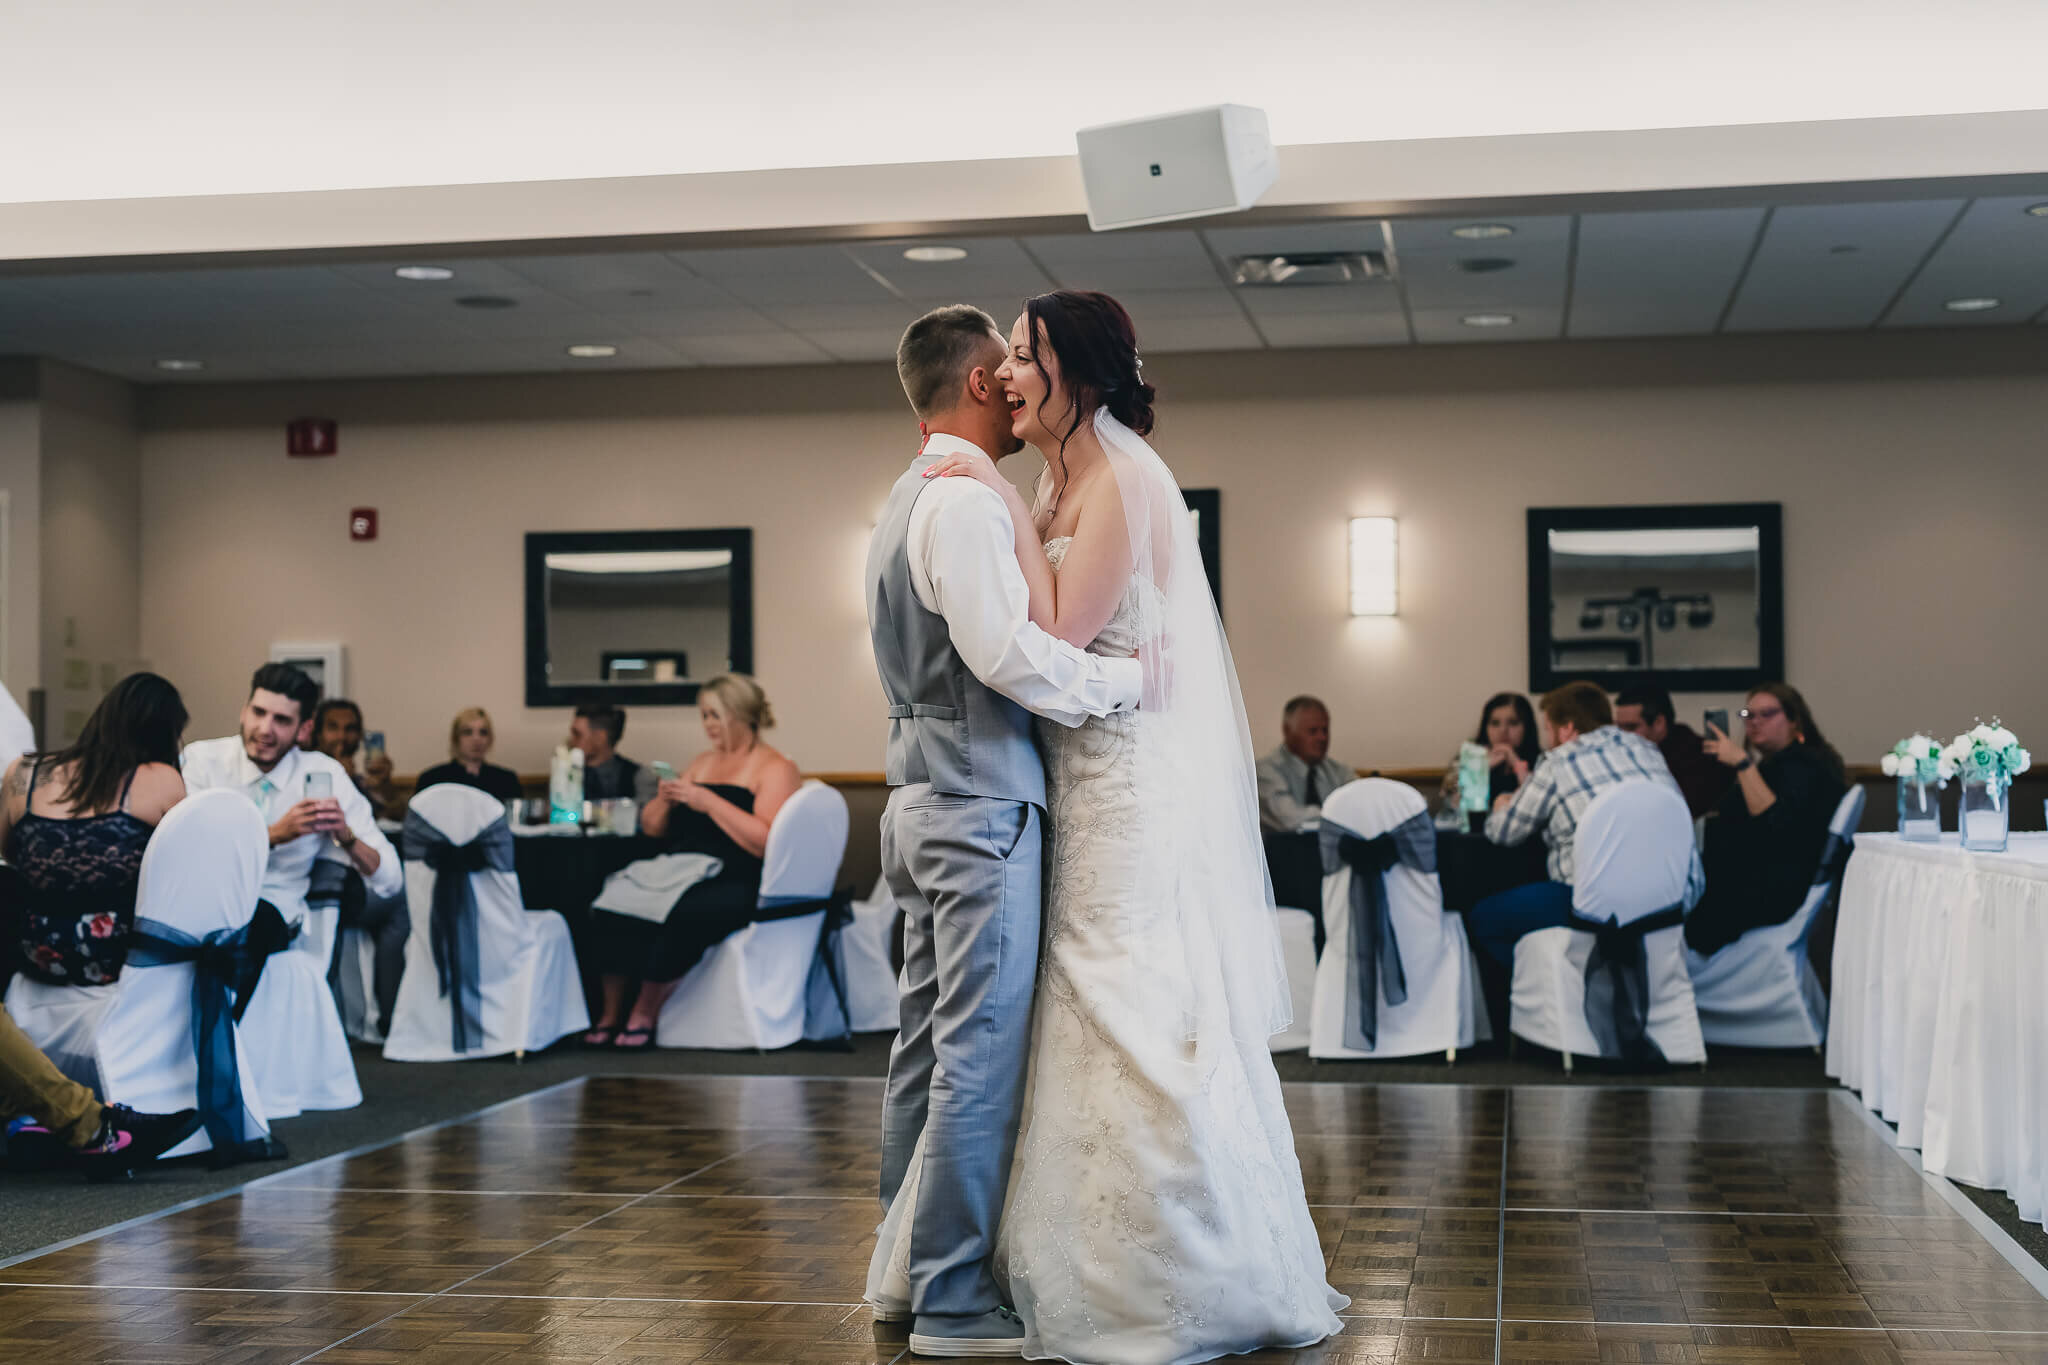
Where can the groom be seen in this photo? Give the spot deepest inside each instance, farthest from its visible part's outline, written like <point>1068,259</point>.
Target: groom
<point>962,668</point>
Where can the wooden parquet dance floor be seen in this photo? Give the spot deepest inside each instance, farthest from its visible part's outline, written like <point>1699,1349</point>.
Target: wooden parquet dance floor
<point>639,1220</point>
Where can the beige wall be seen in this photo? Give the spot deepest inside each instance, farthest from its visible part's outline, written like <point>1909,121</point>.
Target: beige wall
<point>91,543</point>
<point>21,478</point>
<point>1909,467</point>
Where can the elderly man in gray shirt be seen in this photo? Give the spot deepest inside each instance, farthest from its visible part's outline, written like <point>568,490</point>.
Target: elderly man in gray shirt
<point>1294,778</point>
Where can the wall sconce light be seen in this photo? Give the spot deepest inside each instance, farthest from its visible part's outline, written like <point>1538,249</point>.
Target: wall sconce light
<point>1375,565</point>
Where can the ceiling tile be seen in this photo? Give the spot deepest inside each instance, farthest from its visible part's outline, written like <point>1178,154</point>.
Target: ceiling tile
<point>1803,278</point>
<point>1448,325</point>
<point>890,315</point>
<point>787,274</point>
<point>731,320</point>
<point>1116,262</point>
<point>753,348</point>
<point>636,282</point>
<point>1376,297</point>
<point>1996,250</point>
<point>1658,274</point>
<point>1411,235</point>
<point>856,344</point>
<point>1341,234</point>
<point>1335,329</point>
<point>1168,335</point>
<point>993,266</point>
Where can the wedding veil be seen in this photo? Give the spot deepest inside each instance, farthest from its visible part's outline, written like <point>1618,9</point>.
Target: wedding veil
<point>1205,943</point>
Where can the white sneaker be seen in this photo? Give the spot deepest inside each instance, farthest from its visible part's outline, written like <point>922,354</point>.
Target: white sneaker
<point>998,1332</point>
<point>890,1310</point>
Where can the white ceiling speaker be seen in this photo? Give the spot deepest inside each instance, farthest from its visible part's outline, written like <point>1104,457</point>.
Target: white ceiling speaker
<point>1188,165</point>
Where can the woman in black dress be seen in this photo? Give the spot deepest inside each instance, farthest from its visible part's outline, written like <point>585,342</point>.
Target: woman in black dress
<point>722,805</point>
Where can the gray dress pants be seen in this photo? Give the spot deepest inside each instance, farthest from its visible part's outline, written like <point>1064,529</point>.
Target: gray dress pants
<point>965,870</point>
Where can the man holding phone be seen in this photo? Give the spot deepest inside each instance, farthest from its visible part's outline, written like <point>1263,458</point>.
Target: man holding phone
<point>338,732</point>
<point>308,799</point>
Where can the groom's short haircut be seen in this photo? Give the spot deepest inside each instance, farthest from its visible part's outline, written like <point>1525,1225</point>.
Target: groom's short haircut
<point>938,350</point>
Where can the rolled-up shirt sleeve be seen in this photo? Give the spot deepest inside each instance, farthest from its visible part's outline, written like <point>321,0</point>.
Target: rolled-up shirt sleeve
<point>963,565</point>
<point>389,878</point>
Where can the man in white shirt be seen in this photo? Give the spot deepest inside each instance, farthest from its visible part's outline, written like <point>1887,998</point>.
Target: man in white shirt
<point>963,670</point>
<point>264,761</point>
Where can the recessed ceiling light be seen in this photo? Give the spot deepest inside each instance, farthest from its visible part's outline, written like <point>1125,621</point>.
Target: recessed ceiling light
<point>931,255</point>
<point>1485,265</point>
<point>486,301</point>
<point>1489,319</point>
<point>1972,305</point>
<point>181,366</point>
<point>1482,232</point>
<point>424,272</point>
<point>2038,210</point>
<point>593,351</point>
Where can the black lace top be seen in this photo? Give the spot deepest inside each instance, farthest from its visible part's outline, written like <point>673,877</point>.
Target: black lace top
<point>692,831</point>
<point>78,879</point>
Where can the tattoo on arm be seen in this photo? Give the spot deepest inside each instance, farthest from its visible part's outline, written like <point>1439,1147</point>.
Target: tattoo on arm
<point>16,782</point>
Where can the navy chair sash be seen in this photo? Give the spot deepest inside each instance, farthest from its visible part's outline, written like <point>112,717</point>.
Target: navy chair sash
<point>453,926</point>
<point>827,1015</point>
<point>226,966</point>
<point>1618,984</point>
<point>1372,962</point>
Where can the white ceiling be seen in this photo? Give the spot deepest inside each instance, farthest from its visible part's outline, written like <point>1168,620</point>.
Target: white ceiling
<point>1677,272</point>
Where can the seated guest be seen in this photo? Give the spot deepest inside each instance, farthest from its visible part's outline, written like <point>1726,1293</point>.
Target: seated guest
<point>105,1140</point>
<point>1765,844</point>
<point>608,775</point>
<point>74,824</point>
<point>1587,755</point>
<point>338,733</point>
<point>469,740</point>
<point>263,760</point>
<point>722,805</point>
<point>1507,731</point>
<point>1294,778</point>
<point>1646,710</point>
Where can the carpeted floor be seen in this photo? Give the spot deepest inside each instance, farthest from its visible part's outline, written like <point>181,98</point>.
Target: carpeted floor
<point>40,1209</point>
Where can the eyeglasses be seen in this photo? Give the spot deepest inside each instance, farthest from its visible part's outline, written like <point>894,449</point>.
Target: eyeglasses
<point>1772,714</point>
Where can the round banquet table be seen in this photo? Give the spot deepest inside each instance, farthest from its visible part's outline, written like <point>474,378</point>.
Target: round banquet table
<point>1939,1011</point>
<point>564,873</point>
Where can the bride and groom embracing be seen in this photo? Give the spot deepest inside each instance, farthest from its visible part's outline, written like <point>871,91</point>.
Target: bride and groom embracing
<point>1085,1154</point>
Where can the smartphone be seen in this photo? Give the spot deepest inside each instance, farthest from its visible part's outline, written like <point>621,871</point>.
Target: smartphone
<point>1718,719</point>
<point>319,786</point>
<point>373,746</point>
<point>662,771</point>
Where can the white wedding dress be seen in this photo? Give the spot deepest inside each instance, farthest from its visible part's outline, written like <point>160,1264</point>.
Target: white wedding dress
<point>1155,1212</point>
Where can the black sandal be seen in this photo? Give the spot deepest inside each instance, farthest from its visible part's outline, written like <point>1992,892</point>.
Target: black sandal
<point>599,1037</point>
<point>645,1035</point>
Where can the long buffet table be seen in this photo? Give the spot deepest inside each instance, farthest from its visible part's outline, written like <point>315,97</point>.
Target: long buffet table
<point>1939,1009</point>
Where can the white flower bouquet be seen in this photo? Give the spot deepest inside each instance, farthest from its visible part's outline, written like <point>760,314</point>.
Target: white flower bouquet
<point>1919,759</point>
<point>1989,753</point>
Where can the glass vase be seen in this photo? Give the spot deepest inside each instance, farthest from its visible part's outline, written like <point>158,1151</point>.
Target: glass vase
<point>1919,809</point>
<point>1985,814</point>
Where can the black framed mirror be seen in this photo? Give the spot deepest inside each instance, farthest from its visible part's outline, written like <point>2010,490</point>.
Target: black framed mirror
<point>636,618</point>
<point>1205,505</point>
<point>1691,597</point>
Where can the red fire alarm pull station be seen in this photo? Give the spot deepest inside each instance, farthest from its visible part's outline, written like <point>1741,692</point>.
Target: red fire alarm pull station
<point>362,523</point>
<point>309,436</point>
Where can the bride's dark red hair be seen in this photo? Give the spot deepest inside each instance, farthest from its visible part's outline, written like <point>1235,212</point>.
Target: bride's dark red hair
<point>1098,349</point>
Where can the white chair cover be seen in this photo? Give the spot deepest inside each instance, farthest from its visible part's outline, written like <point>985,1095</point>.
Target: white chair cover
<point>1297,930</point>
<point>1444,1009</point>
<point>1634,853</point>
<point>131,1041</point>
<point>1761,990</point>
<point>750,991</point>
<point>531,993</point>
<point>871,987</point>
<point>292,1030</point>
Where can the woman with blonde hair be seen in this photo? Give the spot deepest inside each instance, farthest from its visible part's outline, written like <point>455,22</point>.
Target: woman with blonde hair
<point>721,805</point>
<point>469,740</point>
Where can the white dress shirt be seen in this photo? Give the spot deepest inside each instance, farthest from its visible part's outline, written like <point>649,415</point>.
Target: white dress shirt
<point>963,566</point>
<point>224,763</point>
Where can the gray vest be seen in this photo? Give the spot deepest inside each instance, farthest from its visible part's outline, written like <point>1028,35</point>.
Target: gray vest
<point>945,727</point>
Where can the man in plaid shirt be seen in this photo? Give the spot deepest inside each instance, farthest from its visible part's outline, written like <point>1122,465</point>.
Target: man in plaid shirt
<point>1588,754</point>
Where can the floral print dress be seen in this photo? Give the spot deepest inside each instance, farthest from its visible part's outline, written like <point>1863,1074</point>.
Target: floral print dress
<point>78,877</point>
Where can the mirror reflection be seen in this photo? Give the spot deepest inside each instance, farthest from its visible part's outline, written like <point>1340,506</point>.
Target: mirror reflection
<point>638,618</point>
<point>1655,599</point>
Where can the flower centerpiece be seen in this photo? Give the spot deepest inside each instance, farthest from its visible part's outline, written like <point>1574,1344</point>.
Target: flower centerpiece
<point>1923,768</point>
<point>1989,757</point>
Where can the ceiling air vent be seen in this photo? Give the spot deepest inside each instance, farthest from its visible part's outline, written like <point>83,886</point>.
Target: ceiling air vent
<point>1309,268</point>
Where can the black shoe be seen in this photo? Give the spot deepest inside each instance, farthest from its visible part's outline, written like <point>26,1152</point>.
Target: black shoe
<point>127,1140</point>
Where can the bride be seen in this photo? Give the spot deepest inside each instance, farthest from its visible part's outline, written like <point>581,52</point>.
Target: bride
<point>1155,1212</point>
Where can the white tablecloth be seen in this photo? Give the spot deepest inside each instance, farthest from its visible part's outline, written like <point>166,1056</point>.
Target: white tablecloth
<point>1939,1011</point>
